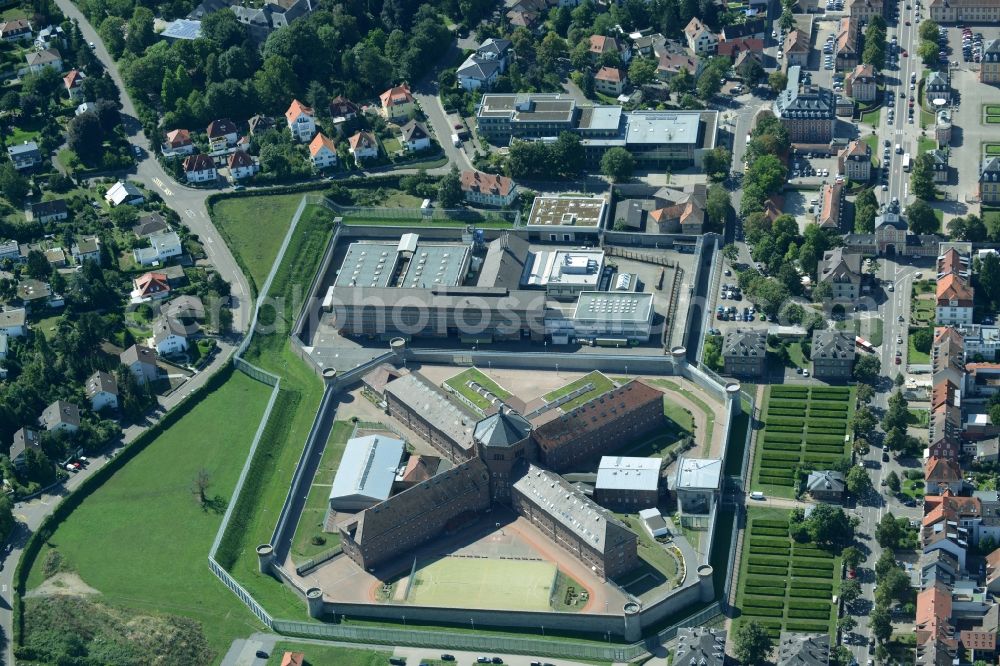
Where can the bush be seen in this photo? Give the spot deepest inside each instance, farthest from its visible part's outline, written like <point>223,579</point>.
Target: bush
<point>767,571</point>
<point>781,437</point>
<point>811,585</point>
<point>825,439</point>
<point>764,612</point>
<point>810,573</point>
<point>761,590</point>
<point>765,550</point>
<point>776,481</point>
<point>784,420</point>
<point>764,603</point>
<point>768,531</point>
<point>810,605</point>
<point>810,627</point>
<point>767,522</point>
<point>772,543</point>
<point>780,446</point>
<point>318,540</point>
<point>784,428</point>
<point>809,615</point>
<point>768,561</point>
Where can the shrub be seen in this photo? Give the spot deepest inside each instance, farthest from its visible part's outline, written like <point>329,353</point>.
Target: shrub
<point>824,439</point>
<point>810,627</point>
<point>833,423</point>
<point>780,455</point>
<point>763,603</point>
<point>809,615</point>
<point>768,561</point>
<point>840,391</point>
<point>810,605</point>
<point>811,585</point>
<point>781,446</point>
<point>784,428</point>
<point>810,573</point>
<point>768,522</point>
<point>782,437</point>
<point>831,405</point>
<point>767,571</point>
<point>768,531</point>
<point>776,481</point>
<point>764,550</point>
<point>764,612</point>
<point>785,420</point>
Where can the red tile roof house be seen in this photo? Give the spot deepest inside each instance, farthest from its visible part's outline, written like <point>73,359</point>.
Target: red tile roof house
<point>150,286</point>
<point>73,82</point>
<point>486,189</point>
<point>301,121</point>
<point>199,168</point>
<point>363,146</point>
<point>397,103</point>
<point>178,143</point>
<point>343,109</point>
<point>610,81</point>
<point>941,474</point>
<point>241,165</point>
<point>322,152</point>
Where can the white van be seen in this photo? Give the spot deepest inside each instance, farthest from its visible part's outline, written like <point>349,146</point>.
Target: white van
<point>899,149</point>
<point>757,495</point>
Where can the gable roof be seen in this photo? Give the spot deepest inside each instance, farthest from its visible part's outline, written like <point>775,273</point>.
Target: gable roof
<point>413,131</point>
<point>942,470</point>
<point>25,438</point>
<point>600,44</point>
<point>101,382</point>
<point>60,412</point>
<point>150,224</point>
<point>838,265</point>
<point>610,74</point>
<point>73,79</point>
<point>178,137</point>
<point>362,140</point>
<point>238,159</point>
<point>487,183</point>
<point>319,142</point>
<point>341,106</point>
<point>396,95</point>
<point>952,287</point>
<point>221,127</point>
<point>198,162</point>
<point>797,42</point>
<point>151,283</point>
<point>296,109</point>
<point>367,468</point>
<point>138,354</point>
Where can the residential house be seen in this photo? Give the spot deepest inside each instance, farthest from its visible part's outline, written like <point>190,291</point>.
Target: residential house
<point>25,438</point>
<point>939,164</point>
<point>855,161</point>
<point>861,84</point>
<point>86,107</point>
<point>482,68</point>
<point>826,485</point>
<point>842,271</point>
<point>797,48</point>
<point>700,40</point>
<point>124,192</point>
<point>752,28</point>
<point>185,308</point>
<point>831,206</point>
<point>397,103</point>
<point>200,168</point>
<point>732,48</point>
<point>49,211</point>
<point>601,45</point>
<point>833,354</point>
<point>24,155</point>
<point>414,136</point>
<point>86,248</point>
<point>241,165</point>
<point>60,416</point>
<point>680,210</point>
<point>222,134</point>
<point>993,572</point>
<point>846,48</point>
<point>863,10</point>
<point>520,17</point>
<point>150,286</point>
<point>260,123</point>
<point>13,322</point>
<point>748,62</point>
<point>744,352</point>
<point>989,66</point>
<point>486,189</point>
<point>149,224</point>
<point>39,60</point>
<point>102,390</point>
<point>649,46</point>
<point>178,143</point>
<point>670,64</point>
<point>50,36</point>
<point>989,180</point>
<point>954,302</point>
<point>807,111</point>
<point>363,146</point>
<point>342,109</point>
<point>162,246</point>
<point>935,634</point>
<point>938,565</point>
<point>941,474</point>
<point>169,336</point>
<point>293,659</point>
<point>937,86</point>
<point>322,152</point>
<point>73,82</point>
<point>33,293</point>
<point>10,250</point>
<point>301,121</point>
<point>141,362</point>
<point>15,31</point>
<point>610,81</point>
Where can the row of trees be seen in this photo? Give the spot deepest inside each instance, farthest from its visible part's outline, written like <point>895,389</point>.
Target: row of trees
<point>928,49</point>
<point>534,160</point>
<point>874,50</point>
<point>766,174</point>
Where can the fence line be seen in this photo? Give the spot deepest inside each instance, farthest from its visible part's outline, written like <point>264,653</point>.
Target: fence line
<point>385,213</point>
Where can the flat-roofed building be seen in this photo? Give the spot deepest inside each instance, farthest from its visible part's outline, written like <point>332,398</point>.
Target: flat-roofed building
<point>417,403</point>
<point>628,483</point>
<point>564,274</point>
<point>366,472</point>
<point>599,426</point>
<point>698,483</point>
<point>408,263</point>
<point>407,520</point>
<point>613,314</point>
<point>523,115</point>
<point>564,514</point>
<point>566,219</point>
<point>744,352</point>
<point>480,313</point>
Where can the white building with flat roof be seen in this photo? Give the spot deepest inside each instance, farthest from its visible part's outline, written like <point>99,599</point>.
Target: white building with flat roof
<point>621,315</point>
<point>566,219</point>
<point>565,273</point>
<point>366,472</point>
<point>698,483</point>
<point>653,522</point>
<point>628,482</point>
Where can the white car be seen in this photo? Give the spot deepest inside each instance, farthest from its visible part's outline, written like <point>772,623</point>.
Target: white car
<point>780,55</point>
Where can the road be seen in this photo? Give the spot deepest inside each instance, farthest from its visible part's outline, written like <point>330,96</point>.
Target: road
<point>190,206</point>
<point>426,94</point>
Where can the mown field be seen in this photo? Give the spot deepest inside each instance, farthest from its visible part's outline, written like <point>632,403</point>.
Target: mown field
<point>785,585</point>
<point>804,428</point>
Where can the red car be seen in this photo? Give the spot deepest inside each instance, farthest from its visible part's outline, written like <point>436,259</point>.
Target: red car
<point>898,360</point>
<point>851,573</point>
<point>905,54</point>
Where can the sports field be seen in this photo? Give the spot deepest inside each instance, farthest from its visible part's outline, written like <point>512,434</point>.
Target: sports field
<point>484,583</point>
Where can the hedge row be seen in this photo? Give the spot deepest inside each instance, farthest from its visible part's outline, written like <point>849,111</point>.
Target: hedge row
<point>775,481</point>
<point>808,615</point>
<point>764,612</point>
<point>780,455</point>
<point>768,531</point>
<point>820,567</point>
<point>770,522</point>
<point>765,590</point>
<point>821,459</point>
<point>793,391</point>
<point>782,468</point>
<point>832,423</point>
<point>808,594</point>
<point>769,561</point>
<point>772,427</point>
<point>767,571</point>
<point>764,603</point>
<point>766,550</point>
<point>832,405</point>
<point>811,585</point>
<point>824,439</point>
<point>786,404</point>
<point>826,430</point>
<point>809,573</point>
<point>826,413</point>
<point>810,605</point>
<point>829,390</point>
<point>808,551</point>
<point>784,411</point>
<point>785,420</point>
<point>781,446</point>
<point>762,541</point>
<point>810,627</point>
<point>781,437</point>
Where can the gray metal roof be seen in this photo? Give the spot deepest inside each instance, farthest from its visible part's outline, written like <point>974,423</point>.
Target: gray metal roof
<point>621,473</point>
<point>378,263</point>
<point>826,481</point>
<point>832,344</point>
<point>700,646</point>
<point>434,406</point>
<point>504,428</point>
<point>745,342</point>
<point>699,473</point>
<point>367,468</point>
<point>798,649</point>
<point>182,29</point>
<point>659,127</point>
<point>613,306</point>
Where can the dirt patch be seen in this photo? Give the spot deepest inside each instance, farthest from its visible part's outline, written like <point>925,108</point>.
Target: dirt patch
<point>66,582</point>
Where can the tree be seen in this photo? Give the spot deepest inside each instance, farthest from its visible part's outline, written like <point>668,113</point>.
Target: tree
<point>13,185</point>
<point>886,562</point>
<point>550,50</point>
<point>275,83</point>
<point>7,520</point>
<point>858,482</point>
<point>85,137</point>
<point>852,557</point>
<point>892,481</point>
<point>38,265</point>
<point>880,623</point>
<point>709,84</point>
<point>865,210</point>
<point>450,189</point>
<point>929,30</point>
<point>897,440</point>
<point>717,204</point>
<point>921,218</point>
<point>928,53</point>
<point>867,368</point>
<point>847,623</point>
<point>112,33</point>
<point>752,72</point>
<point>874,51</point>
<point>752,643</point>
<point>988,282</point>
<point>642,71</point>
<point>682,82</point>
<point>923,338</point>
<point>200,485</point>
<point>778,80</point>
<point>888,533</point>
<point>787,20</point>
<point>730,252</point>
<point>223,28</point>
<point>717,163</point>
<point>140,30</point>
<point>829,525</point>
<point>850,589</point>
<point>568,154</point>
<point>865,394</point>
<point>863,420</point>
<point>617,164</point>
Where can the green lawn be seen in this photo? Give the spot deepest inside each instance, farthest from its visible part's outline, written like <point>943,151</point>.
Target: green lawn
<point>918,418</point>
<point>142,539</point>
<point>460,384</point>
<point>391,145</point>
<point>254,227</point>
<point>690,395</point>
<point>870,329</point>
<point>47,326</point>
<point>991,148</point>
<point>19,135</point>
<point>991,109</point>
<point>915,356</point>
<point>924,144</point>
<point>314,513</point>
<point>12,14</point>
<point>600,382</point>
<point>872,117</point>
<point>321,655</point>
<point>993,120</point>
<point>784,585</point>
<point>796,356</point>
<point>651,551</point>
<point>913,488</point>
<point>364,221</point>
